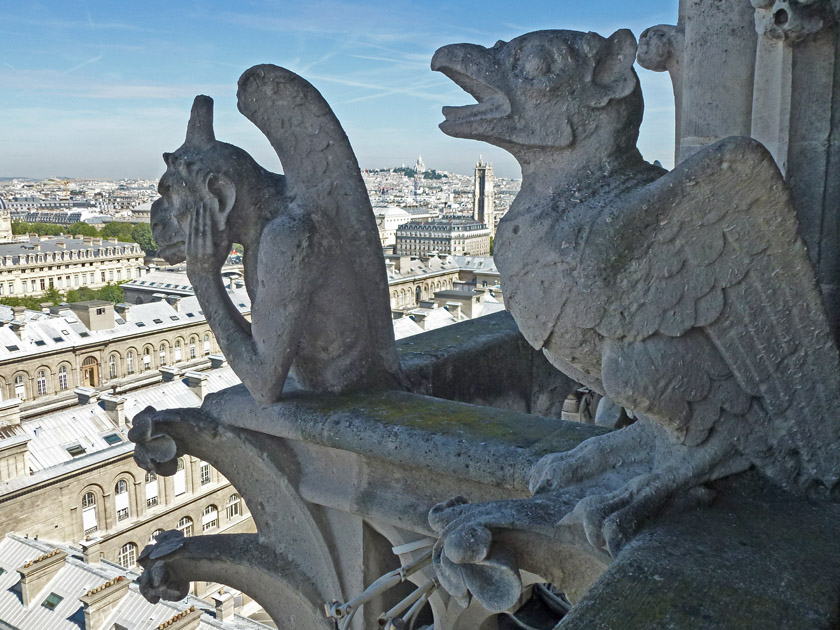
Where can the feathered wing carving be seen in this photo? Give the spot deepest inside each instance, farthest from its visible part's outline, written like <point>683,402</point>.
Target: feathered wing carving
<point>322,176</point>
<point>725,257</point>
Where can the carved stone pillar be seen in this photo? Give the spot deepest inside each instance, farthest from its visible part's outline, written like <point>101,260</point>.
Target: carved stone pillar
<point>797,97</point>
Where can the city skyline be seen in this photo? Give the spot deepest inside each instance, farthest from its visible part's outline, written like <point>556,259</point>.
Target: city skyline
<point>90,90</point>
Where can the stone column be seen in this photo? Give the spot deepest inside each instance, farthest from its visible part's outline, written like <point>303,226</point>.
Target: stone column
<point>797,82</point>
<point>718,66</point>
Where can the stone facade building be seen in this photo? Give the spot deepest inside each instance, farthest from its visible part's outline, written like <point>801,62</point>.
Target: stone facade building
<point>94,344</point>
<point>466,237</point>
<point>32,267</point>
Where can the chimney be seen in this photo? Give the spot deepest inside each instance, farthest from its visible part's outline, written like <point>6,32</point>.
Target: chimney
<point>86,395</point>
<point>91,550</point>
<point>122,309</point>
<point>37,573</point>
<point>197,382</point>
<point>101,601</point>
<point>174,301</point>
<point>61,244</point>
<point>217,360</point>
<point>185,620</point>
<point>239,284</point>
<point>224,606</point>
<point>169,373</point>
<point>14,457</point>
<point>10,412</point>
<point>114,406</point>
<point>45,307</point>
<point>19,313</point>
<point>158,297</point>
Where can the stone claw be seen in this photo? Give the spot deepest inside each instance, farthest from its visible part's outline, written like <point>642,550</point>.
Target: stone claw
<point>157,582</point>
<point>155,451</point>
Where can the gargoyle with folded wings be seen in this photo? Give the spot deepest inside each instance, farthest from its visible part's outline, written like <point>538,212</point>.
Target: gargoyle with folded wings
<point>686,296</point>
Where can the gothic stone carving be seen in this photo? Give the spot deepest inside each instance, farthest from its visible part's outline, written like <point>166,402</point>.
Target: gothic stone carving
<point>310,238</point>
<point>792,20</point>
<point>687,297</point>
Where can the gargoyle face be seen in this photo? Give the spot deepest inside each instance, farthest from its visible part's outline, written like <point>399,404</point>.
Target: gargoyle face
<point>171,215</point>
<point>537,90</point>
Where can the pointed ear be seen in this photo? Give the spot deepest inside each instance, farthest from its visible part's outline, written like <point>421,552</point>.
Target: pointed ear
<point>221,193</point>
<point>613,76</point>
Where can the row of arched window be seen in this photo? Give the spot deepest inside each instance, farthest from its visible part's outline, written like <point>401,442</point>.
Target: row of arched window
<point>402,298</point>
<point>149,357</point>
<point>127,556</point>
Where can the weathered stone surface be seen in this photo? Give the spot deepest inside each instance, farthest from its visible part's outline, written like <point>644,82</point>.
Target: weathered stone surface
<point>687,297</point>
<point>309,236</point>
<point>743,564</point>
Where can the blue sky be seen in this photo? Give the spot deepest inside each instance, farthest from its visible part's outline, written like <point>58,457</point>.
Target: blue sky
<point>102,88</point>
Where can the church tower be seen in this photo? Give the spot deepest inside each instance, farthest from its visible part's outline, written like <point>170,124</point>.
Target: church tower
<point>5,223</point>
<point>484,196</point>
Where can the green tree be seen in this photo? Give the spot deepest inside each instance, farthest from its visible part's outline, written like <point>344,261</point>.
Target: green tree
<point>21,227</point>
<point>118,230</point>
<point>85,229</point>
<point>111,293</point>
<point>142,235</point>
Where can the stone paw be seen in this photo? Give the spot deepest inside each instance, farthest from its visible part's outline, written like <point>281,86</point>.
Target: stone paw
<point>610,520</point>
<point>604,463</point>
<point>476,553</point>
<point>155,451</point>
<point>157,581</point>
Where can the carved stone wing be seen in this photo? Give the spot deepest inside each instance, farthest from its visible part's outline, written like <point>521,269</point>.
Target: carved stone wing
<point>323,176</point>
<point>715,247</point>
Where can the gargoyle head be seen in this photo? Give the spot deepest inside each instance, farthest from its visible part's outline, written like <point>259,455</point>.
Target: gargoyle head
<point>547,89</point>
<point>203,172</point>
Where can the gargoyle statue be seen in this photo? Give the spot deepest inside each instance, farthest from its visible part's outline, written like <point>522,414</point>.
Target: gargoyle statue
<point>313,264</point>
<point>686,296</point>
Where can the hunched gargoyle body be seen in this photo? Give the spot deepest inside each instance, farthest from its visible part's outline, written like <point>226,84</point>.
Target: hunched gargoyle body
<point>313,266</point>
<point>686,296</point>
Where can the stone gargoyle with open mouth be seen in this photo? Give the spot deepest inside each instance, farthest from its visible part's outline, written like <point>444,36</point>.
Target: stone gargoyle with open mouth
<point>686,296</point>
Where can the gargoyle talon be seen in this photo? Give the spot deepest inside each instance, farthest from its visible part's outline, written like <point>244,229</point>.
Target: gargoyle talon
<point>154,451</point>
<point>468,544</point>
<point>445,512</point>
<point>157,583</point>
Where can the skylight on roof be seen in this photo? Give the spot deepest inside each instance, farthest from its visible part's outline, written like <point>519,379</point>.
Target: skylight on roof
<point>119,320</point>
<point>12,348</point>
<point>190,314</point>
<point>40,342</point>
<point>157,321</point>
<point>76,449</point>
<point>52,600</point>
<point>112,438</point>
<point>140,324</point>
<point>58,339</point>
<point>65,332</point>
<point>84,334</point>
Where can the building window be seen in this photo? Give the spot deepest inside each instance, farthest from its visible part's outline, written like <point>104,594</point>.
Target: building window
<point>89,513</point>
<point>147,359</point>
<point>151,489</point>
<point>128,555</point>
<point>129,362</point>
<point>205,473</point>
<point>209,518</point>
<point>103,277</point>
<point>62,378</point>
<point>162,354</point>
<point>153,537</point>
<point>206,344</point>
<point>20,387</point>
<point>112,366</point>
<point>185,526</point>
<point>177,350</point>
<point>192,348</point>
<point>180,479</point>
<point>121,500</point>
<point>233,506</point>
<point>42,382</point>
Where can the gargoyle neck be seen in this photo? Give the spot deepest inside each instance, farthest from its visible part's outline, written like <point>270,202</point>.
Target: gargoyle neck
<point>576,168</point>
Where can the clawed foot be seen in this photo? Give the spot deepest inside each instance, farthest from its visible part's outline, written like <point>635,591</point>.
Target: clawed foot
<point>154,451</point>
<point>469,557</point>
<point>157,582</point>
